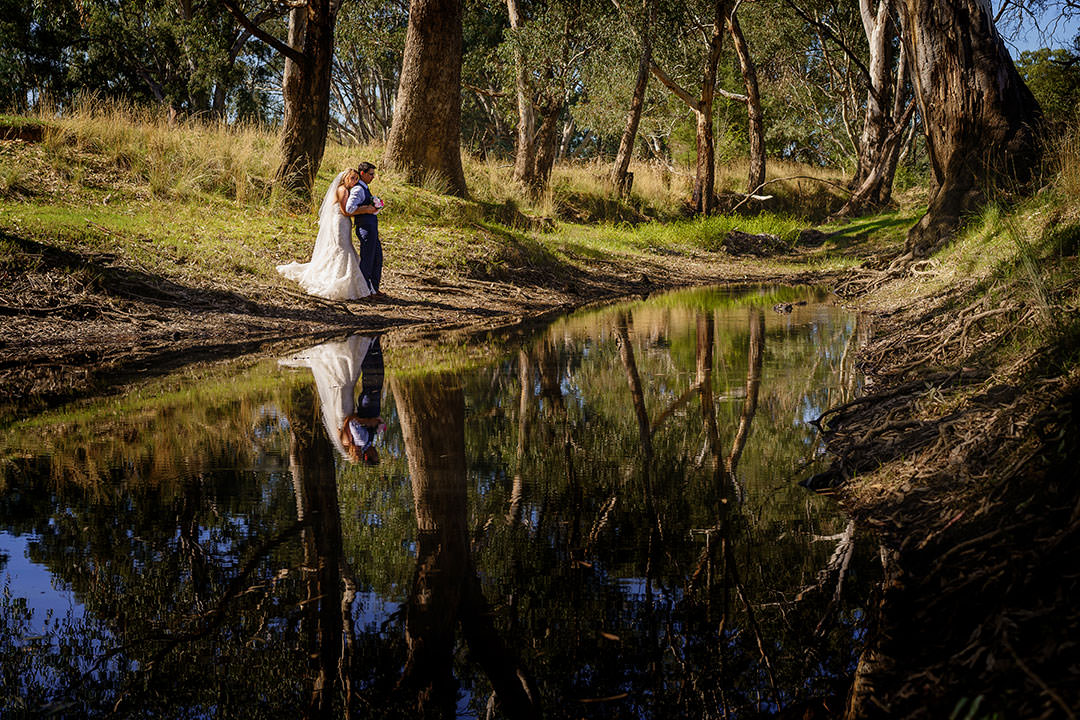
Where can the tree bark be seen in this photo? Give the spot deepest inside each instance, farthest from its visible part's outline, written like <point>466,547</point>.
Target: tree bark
<point>980,118</point>
<point>425,137</point>
<point>306,95</point>
<point>524,149</point>
<point>637,102</point>
<point>756,129</point>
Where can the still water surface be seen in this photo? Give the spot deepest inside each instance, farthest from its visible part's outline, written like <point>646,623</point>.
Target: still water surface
<point>602,520</point>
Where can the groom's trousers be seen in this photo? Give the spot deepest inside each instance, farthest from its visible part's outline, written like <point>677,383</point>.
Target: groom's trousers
<point>370,251</point>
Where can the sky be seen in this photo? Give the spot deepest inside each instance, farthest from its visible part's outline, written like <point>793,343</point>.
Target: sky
<point>1050,28</point>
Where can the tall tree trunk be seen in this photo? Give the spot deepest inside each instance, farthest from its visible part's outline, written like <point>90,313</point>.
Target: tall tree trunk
<point>704,169</point>
<point>619,177</point>
<point>524,150</point>
<point>981,120</point>
<point>306,95</point>
<point>756,128</point>
<point>425,137</point>
<point>886,116</point>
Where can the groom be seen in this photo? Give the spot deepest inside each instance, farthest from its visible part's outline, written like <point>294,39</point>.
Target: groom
<point>361,205</point>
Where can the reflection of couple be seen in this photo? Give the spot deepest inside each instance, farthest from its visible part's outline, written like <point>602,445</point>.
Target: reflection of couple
<point>352,423</point>
<point>336,271</point>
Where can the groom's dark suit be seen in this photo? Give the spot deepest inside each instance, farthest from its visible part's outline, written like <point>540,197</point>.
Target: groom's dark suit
<point>367,232</point>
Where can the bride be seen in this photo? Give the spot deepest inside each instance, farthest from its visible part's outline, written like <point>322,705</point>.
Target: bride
<point>334,269</point>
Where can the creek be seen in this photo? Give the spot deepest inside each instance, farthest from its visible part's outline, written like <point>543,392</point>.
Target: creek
<point>600,520</point>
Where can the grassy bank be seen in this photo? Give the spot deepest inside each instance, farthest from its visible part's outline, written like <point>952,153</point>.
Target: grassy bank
<point>196,199</point>
<point>963,455</point>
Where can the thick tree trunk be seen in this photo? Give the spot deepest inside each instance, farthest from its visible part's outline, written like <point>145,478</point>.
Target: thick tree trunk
<point>306,95</point>
<point>425,137</point>
<point>524,150</point>
<point>637,102</point>
<point>756,129</point>
<point>981,120</point>
<point>547,140</point>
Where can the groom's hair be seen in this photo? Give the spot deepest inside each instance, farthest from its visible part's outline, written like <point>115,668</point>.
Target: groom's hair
<point>364,167</point>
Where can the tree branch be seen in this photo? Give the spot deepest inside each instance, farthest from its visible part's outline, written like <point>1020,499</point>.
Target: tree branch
<point>291,53</point>
<point>674,87</point>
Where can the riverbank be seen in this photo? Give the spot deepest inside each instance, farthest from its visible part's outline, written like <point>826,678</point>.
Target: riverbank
<point>963,457</point>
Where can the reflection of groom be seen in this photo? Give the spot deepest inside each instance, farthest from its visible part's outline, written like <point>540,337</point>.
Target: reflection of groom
<point>361,205</point>
<point>361,427</point>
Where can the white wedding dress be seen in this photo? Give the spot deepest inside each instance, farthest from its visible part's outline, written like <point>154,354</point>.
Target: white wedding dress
<point>336,367</point>
<point>334,269</point>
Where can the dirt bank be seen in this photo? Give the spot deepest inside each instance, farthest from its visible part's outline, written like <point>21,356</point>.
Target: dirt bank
<point>969,472</point>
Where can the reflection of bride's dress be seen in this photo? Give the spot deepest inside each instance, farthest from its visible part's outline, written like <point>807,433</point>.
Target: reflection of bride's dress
<point>334,269</point>
<point>336,367</point>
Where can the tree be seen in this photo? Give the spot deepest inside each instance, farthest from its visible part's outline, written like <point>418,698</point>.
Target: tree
<point>1054,79</point>
<point>711,27</point>
<point>756,123</point>
<point>305,87</point>
<point>425,138</point>
<point>886,114</point>
<point>369,44</point>
<point>637,102</point>
<point>981,120</point>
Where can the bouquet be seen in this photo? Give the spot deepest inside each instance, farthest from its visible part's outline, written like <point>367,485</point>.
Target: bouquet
<point>378,203</point>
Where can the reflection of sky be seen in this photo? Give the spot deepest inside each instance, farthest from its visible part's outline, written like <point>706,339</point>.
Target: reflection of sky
<point>34,582</point>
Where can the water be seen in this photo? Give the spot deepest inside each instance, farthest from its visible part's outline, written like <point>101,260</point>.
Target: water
<point>602,520</point>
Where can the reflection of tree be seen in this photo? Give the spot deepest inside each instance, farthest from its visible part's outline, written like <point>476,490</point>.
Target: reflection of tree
<point>446,589</point>
<point>311,462</point>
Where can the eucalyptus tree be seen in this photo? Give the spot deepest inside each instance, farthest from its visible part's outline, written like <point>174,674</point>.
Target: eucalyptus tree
<point>548,42</point>
<point>368,49</point>
<point>705,20</point>
<point>308,53</point>
<point>425,136</point>
<point>877,65</point>
<point>981,120</point>
<point>644,19</point>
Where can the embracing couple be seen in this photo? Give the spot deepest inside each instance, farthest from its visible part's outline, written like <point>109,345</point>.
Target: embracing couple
<point>336,271</point>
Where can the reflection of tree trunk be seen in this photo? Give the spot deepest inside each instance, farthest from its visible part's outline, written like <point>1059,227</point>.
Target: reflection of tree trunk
<point>622,337</point>
<point>753,383</point>
<point>517,490</point>
<point>705,334</point>
<point>311,461</point>
<point>445,587</point>
<point>433,426</point>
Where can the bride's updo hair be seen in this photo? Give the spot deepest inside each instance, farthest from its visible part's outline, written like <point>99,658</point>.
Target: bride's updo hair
<point>350,176</point>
